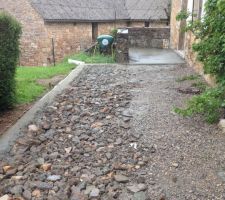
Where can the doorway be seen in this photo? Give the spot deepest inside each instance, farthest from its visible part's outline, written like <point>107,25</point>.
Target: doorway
<point>94,31</point>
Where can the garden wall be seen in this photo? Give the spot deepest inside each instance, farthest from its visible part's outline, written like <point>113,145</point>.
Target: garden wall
<point>149,37</point>
<point>140,37</point>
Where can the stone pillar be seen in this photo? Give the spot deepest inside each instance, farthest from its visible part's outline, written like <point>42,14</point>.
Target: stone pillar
<point>122,48</point>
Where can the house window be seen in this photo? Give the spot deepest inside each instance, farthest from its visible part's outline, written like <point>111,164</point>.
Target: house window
<point>147,24</point>
<point>94,31</point>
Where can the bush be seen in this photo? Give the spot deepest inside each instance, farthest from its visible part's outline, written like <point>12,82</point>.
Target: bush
<point>209,104</point>
<point>114,33</point>
<point>10,31</point>
<point>210,49</point>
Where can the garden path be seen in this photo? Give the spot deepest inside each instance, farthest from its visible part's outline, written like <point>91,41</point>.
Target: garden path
<point>113,135</point>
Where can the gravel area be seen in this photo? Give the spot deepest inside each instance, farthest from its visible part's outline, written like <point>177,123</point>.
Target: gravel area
<point>113,135</point>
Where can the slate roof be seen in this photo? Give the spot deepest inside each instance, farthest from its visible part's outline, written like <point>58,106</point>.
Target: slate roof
<point>147,9</point>
<point>100,10</point>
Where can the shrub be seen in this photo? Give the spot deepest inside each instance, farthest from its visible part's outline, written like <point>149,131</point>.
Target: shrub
<point>114,33</point>
<point>209,104</point>
<point>10,31</point>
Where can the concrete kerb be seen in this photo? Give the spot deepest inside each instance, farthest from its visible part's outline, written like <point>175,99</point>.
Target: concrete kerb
<point>7,139</point>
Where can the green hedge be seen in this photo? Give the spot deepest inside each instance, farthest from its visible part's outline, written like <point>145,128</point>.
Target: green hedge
<point>10,32</point>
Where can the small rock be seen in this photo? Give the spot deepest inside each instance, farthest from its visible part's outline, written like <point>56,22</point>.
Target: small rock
<point>6,168</point>
<point>176,165</point>
<point>94,193</point>
<point>121,178</point>
<point>41,161</point>
<point>68,150</point>
<point>68,129</point>
<point>46,126</point>
<point>17,190</point>
<point>41,185</point>
<point>76,194</point>
<point>108,156</point>
<point>118,141</point>
<point>221,174</point>
<point>137,188</point>
<point>139,196</point>
<point>33,128</point>
<point>54,178</point>
<point>46,166</point>
<point>11,172</point>
<point>141,179</point>
<point>141,163</point>
<point>153,149</point>
<point>27,194</point>
<point>75,169</point>
<point>16,178</point>
<point>76,140</point>
<point>69,107</point>
<point>5,197</point>
<point>97,125</point>
<point>82,185</point>
<point>36,193</point>
<point>126,113</point>
<point>89,189</point>
<point>222,125</point>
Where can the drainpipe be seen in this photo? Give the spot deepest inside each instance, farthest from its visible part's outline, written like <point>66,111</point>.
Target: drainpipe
<point>53,51</point>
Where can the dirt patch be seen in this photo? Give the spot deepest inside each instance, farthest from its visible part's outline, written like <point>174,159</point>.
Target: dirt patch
<point>8,118</point>
<point>52,81</point>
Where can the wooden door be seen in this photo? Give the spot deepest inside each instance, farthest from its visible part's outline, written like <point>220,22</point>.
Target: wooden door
<point>94,31</point>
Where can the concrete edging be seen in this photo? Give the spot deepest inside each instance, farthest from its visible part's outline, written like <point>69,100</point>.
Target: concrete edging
<point>8,138</point>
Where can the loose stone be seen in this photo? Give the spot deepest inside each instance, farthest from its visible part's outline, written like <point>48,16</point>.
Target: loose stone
<point>137,187</point>
<point>94,192</point>
<point>121,178</point>
<point>54,178</point>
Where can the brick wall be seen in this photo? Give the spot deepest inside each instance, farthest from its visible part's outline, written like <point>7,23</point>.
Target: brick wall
<point>149,37</point>
<point>122,48</point>
<point>34,41</point>
<point>106,28</point>
<point>155,24</point>
<point>69,38</point>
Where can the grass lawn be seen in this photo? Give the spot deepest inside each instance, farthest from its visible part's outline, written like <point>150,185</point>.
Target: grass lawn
<point>28,90</point>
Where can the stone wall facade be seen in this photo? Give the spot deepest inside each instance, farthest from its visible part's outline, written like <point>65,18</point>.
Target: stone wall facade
<point>68,38</point>
<point>184,45</point>
<point>34,41</point>
<point>140,37</point>
<point>107,27</point>
<point>149,37</point>
<point>152,24</point>
<point>122,48</point>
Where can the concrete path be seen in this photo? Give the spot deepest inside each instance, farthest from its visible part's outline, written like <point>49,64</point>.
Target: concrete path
<point>113,135</point>
<point>154,56</point>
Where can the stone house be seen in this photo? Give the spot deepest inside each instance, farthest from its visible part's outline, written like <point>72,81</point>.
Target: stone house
<point>68,26</point>
<point>181,41</point>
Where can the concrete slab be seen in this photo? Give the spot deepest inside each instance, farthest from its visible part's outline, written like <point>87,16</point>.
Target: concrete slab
<point>154,56</point>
